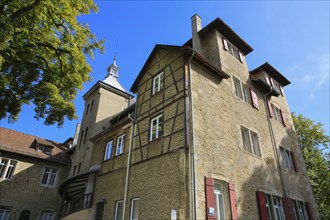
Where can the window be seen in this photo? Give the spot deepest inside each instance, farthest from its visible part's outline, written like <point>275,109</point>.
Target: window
<point>49,177</point>
<point>4,213</point>
<point>276,113</point>
<point>250,141</point>
<point>79,167</point>
<point>232,50</point>
<point>44,149</point>
<point>302,212</point>
<point>219,202</point>
<point>156,127</point>
<point>238,90</point>
<point>120,144</point>
<point>92,104</point>
<point>108,150</point>
<point>81,138</point>
<point>25,215</point>
<point>274,207</point>
<point>7,168</point>
<point>277,209</point>
<point>245,93</point>
<point>74,170</point>
<point>158,83</point>
<point>135,209</point>
<point>287,158</point>
<point>269,213</point>
<point>119,210</point>
<point>87,109</point>
<point>255,144</point>
<point>46,215</point>
<point>86,133</point>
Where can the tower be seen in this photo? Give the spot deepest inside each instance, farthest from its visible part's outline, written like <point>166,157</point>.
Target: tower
<point>105,99</point>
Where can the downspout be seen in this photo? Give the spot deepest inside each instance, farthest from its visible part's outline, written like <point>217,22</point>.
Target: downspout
<point>129,160</point>
<point>192,137</point>
<point>274,141</point>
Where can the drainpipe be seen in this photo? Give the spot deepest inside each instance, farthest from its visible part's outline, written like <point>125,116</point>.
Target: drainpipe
<point>274,141</point>
<point>191,133</point>
<point>129,160</point>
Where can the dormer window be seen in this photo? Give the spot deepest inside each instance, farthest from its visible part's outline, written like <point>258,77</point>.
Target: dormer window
<point>44,149</point>
<point>232,50</point>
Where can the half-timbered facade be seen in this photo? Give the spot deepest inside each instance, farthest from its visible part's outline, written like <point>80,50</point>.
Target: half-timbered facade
<point>205,139</point>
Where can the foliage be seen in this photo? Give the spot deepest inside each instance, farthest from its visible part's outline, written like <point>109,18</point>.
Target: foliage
<point>314,141</point>
<point>43,52</point>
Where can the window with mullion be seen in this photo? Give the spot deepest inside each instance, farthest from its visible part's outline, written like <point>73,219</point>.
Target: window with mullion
<point>156,127</point>
<point>246,139</point>
<point>158,83</point>
<point>120,144</point>
<point>108,150</point>
<point>49,177</point>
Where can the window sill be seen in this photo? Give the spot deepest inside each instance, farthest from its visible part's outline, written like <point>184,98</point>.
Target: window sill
<point>155,140</point>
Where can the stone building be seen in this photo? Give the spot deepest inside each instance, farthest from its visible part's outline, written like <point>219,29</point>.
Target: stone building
<point>31,169</point>
<point>205,139</point>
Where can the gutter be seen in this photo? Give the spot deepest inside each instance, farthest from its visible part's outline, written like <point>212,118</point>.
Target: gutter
<point>129,161</point>
<point>192,145</point>
<point>274,141</point>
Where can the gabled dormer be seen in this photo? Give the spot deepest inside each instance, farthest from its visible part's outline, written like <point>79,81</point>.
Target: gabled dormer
<point>269,78</point>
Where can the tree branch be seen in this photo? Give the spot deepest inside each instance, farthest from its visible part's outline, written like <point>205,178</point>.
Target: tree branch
<point>23,10</point>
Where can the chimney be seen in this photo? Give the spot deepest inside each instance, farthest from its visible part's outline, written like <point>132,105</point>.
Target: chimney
<point>196,25</point>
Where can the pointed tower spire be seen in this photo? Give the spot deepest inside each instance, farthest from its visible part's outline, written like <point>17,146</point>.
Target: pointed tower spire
<point>112,75</point>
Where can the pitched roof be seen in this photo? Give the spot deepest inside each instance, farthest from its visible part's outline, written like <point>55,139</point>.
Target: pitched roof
<point>279,77</point>
<point>227,32</point>
<point>25,144</point>
<point>185,49</point>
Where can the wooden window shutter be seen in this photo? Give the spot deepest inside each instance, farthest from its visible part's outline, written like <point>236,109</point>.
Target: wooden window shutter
<point>288,208</point>
<point>270,109</point>
<point>309,211</point>
<point>254,97</point>
<point>282,90</point>
<point>271,81</point>
<point>294,160</point>
<point>262,205</point>
<point>209,197</point>
<point>241,58</point>
<point>232,198</point>
<point>283,119</point>
<point>225,44</point>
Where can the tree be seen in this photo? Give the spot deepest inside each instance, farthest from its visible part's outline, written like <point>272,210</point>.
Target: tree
<point>314,144</point>
<point>43,56</point>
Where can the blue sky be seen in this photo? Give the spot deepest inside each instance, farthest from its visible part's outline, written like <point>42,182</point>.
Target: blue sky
<point>291,36</point>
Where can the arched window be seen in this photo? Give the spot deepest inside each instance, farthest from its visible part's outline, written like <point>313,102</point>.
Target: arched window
<point>47,215</point>
<point>25,215</point>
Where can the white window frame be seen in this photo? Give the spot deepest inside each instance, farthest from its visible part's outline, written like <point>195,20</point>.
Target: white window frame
<point>246,94</point>
<point>117,214</point>
<point>51,175</point>
<point>158,83</point>
<point>238,88</point>
<point>158,131</point>
<point>268,206</point>
<point>255,143</point>
<point>287,161</point>
<point>7,169</point>
<point>108,150</point>
<point>219,201</point>
<point>277,208</point>
<point>132,208</point>
<point>5,213</point>
<point>120,145</point>
<point>250,141</point>
<point>47,215</point>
